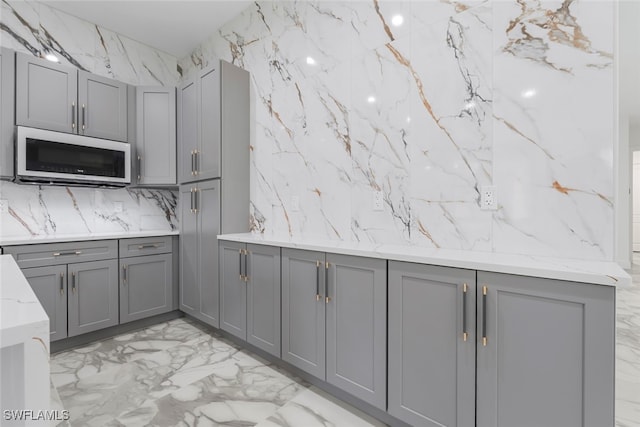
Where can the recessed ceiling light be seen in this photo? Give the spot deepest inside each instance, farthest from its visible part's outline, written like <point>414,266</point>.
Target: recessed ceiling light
<point>397,20</point>
<point>51,57</point>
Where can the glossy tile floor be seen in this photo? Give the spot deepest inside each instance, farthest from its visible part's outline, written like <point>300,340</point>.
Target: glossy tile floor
<point>177,374</point>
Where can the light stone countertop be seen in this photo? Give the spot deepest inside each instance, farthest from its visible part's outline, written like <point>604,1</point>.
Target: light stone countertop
<point>573,270</point>
<point>59,238</point>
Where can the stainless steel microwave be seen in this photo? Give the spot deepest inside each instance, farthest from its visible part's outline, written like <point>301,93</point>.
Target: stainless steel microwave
<point>59,158</point>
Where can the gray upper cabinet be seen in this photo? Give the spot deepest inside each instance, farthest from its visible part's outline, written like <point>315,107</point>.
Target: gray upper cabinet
<point>7,111</point>
<point>102,107</point>
<point>432,345</point>
<point>356,301</point>
<point>46,94</point>
<point>50,286</point>
<point>303,310</point>
<point>155,157</point>
<point>545,353</point>
<point>146,286</point>
<point>199,126</point>
<point>61,98</point>
<point>200,225</point>
<point>93,296</point>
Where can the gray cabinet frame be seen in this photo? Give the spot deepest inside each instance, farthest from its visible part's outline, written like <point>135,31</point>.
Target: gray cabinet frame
<point>7,111</point>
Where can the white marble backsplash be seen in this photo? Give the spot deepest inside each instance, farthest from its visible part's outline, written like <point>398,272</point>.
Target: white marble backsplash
<point>464,93</point>
<point>38,210</point>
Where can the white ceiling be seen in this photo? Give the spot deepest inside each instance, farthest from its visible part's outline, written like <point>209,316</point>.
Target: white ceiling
<point>175,27</point>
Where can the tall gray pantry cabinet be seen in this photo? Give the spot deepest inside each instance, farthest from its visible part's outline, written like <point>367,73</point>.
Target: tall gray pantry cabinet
<point>213,170</point>
<point>7,112</point>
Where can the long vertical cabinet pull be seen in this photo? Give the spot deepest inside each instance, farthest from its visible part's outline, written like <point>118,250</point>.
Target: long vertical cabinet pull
<point>240,264</point>
<point>193,162</point>
<point>73,115</point>
<point>73,282</point>
<point>246,265</point>
<point>484,316</point>
<point>61,283</point>
<point>84,117</point>
<point>327,298</point>
<point>191,206</point>
<point>139,167</point>
<point>196,169</point>
<point>465,335</point>
<point>196,202</point>
<point>318,296</point>
<point>124,275</point>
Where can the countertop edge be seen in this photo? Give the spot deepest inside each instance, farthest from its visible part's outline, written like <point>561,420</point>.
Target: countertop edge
<point>580,271</point>
<point>86,237</point>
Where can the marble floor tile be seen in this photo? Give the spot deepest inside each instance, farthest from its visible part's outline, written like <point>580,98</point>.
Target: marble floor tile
<point>315,408</point>
<point>72,365</point>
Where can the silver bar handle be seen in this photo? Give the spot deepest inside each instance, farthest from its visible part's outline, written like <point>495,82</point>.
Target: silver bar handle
<point>197,202</point>
<point>67,253</point>
<point>318,296</point>
<point>84,117</point>
<point>124,274</point>
<point>154,246</point>
<point>73,282</point>
<point>73,115</point>
<point>197,169</point>
<point>61,283</point>
<point>193,162</point>
<point>327,298</point>
<point>139,167</point>
<point>240,264</point>
<point>246,265</point>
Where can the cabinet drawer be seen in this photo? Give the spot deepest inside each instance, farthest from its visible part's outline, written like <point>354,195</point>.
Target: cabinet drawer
<point>62,253</point>
<point>145,246</point>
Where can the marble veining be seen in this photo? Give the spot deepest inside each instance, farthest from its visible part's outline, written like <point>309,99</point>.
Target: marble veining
<point>427,102</point>
<point>37,211</point>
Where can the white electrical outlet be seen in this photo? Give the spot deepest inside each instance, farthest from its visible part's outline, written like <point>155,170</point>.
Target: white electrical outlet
<point>4,206</point>
<point>295,204</point>
<point>488,197</point>
<point>378,201</point>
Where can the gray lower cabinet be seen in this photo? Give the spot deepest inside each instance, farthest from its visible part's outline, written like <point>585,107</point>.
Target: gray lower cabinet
<point>146,286</point>
<point>334,317</point>
<point>50,286</point>
<point>7,111</point>
<point>92,296</point>
<point>545,353</point>
<point>432,345</point>
<point>250,294</point>
<point>199,227</point>
<point>155,158</point>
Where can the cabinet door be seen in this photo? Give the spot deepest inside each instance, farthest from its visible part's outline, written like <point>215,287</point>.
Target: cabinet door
<point>263,297</point>
<point>93,296</point>
<point>303,310</point>
<point>50,286</point>
<point>189,288</point>
<point>549,353</point>
<point>46,94</point>
<point>208,156</point>
<point>156,135</point>
<point>146,286</point>
<point>188,130</point>
<point>431,361</point>
<point>233,289</point>
<point>207,205</point>
<point>103,107</point>
<point>7,111</point>
<point>356,302</point>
